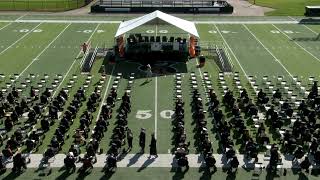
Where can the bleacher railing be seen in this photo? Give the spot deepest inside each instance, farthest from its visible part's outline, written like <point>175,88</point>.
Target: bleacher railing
<point>41,5</point>
<point>161,3</point>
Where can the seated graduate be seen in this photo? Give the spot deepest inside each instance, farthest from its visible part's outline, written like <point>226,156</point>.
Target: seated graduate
<point>2,164</point>
<point>230,152</point>
<point>10,98</point>
<point>183,161</point>
<point>261,96</point>
<point>19,162</point>
<point>47,93</point>
<point>210,161</point>
<point>111,162</point>
<point>110,101</point>
<point>126,97</point>
<point>234,163</point>
<point>75,150</point>
<point>45,124</point>
<point>87,162</point>
<point>274,157</point>
<point>81,95</point>
<point>114,93</point>
<point>79,137</point>
<point>106,111</point>
<point>305,164</point>
<point>8,123</point>
<point>7,152</point>
<point>298,154</point>
<point>69,162</point>
<point>53,112</point>
<point>317,157</point>
<point>277,95</point>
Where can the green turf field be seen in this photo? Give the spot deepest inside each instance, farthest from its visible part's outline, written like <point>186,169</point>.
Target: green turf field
<point>255,49</point>
<point>286,7</point>
<point>40,5</point>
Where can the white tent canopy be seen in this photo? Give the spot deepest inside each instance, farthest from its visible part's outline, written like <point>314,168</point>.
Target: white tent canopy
<point>157,17</point>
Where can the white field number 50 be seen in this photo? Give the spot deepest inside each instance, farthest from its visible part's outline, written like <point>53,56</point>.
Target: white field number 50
<point>146,114</point>
<point>143,114</point>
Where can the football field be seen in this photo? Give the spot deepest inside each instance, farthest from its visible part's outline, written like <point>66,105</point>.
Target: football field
<point>47,52</point>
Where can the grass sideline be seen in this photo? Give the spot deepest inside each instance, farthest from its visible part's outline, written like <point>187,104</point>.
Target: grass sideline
<point>286,7</point>
<point>40,5</point>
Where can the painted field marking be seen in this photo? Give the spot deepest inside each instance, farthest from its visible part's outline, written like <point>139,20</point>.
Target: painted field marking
<point>19,39</point>
<point>12,22</point>
<point>118,22</point>
<point>65,76</point>
<point>156,108</point>
<point>163,31</point>
<point>6,26</point>
<point>297,43</point>
<point>275,58</point>
<point>231,51</point>
<point>311,30</point>
<point>105,93</point>
<point>146,114</point>
<point>21,17</point>
<point>293,19</point>
<point>150,31</point>
<point>36,58</point>
<point>143,114</point>
<point>166,114</point>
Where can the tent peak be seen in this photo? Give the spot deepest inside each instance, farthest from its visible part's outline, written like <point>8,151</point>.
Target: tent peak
<point>182,24</point>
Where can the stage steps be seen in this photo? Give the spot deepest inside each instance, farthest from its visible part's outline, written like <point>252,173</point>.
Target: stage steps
<point>89,60</point>
<point>223,61</point>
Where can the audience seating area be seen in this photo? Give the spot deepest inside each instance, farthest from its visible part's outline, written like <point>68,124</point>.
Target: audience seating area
<point>272,115</point>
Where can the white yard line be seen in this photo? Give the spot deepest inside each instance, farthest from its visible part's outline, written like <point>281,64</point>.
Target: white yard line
<point>65,76</point>
<point>231,52</point>
<point>20,39</point>
<point>293,19</point>
<point>36,58</point>
<point>305,26</point>
<point>21,17</point>
<point>69,21</point>
<point>311,30</point>
<point>275,58</point>
<point>6,25</point>
<point>296,43</point>
<point>117,22</point>
<point>105,93</point>
<point>246,22</point>
<point>156,108</point>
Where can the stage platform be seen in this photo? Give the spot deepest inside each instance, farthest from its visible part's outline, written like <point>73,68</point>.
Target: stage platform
<point>175,6</point>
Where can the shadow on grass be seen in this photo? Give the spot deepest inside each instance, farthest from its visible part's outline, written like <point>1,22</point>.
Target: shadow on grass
<point>179,173</point>
<point>83,174</point>
<point>64,175</point>
<point>207,173</point>
<point>107,175</point>
<point>145,82</point>
<point>146,164</point>
<point>12,175</point>
<point>134,159</point>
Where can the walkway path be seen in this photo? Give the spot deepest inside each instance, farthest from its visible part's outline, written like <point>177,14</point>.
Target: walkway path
<point>244,8</point>
<point>163,160</point>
